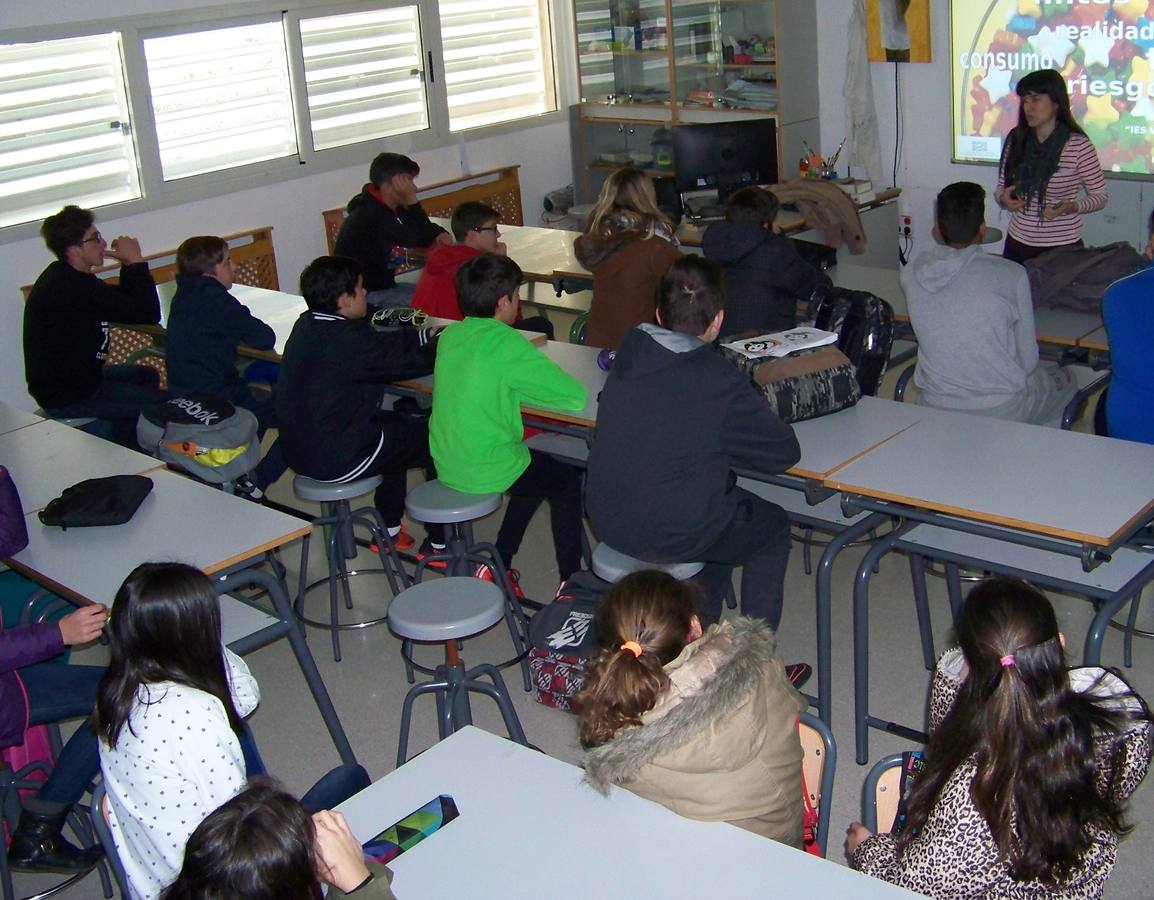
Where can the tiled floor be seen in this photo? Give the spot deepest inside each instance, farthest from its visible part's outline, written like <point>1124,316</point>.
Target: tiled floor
<point>369,684</point>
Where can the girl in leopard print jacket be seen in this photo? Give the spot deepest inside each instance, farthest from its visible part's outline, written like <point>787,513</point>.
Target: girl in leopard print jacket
<point>1028,767</point>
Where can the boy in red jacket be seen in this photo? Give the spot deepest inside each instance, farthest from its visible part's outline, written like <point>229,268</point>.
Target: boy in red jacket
<point>476,231</point>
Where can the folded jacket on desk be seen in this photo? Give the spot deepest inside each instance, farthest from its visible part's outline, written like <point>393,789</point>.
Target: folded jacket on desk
<point>98,501</point>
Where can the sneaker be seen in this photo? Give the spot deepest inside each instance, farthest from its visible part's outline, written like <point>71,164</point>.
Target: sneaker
<point>798,674</point>
<point>427,549</point>
<point>486,574</point>
<point>402,540</point>
<point>246,487</point>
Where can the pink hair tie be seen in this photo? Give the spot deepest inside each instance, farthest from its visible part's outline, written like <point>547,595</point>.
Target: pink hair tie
<point>1007,660</point>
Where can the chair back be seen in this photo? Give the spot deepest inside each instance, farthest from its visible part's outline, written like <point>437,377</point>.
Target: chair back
<point>577,330</point>
<point>818,765</point>
<point>99,813</point>
<point>864,325</point>
<point>881,794</point>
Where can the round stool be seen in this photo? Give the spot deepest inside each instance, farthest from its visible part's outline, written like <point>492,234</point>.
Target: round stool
<point>445,611</point>
<point>613,565</point>
<point>339,521</point>
<point>433,502</point>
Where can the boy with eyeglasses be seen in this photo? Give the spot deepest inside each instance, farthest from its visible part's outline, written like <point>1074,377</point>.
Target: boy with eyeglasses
<point>66,326</point>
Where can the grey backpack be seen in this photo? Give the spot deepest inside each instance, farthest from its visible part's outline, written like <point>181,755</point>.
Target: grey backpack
<point>204,435</point>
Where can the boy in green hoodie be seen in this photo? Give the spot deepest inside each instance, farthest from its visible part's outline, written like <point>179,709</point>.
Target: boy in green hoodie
<point>485,371</point>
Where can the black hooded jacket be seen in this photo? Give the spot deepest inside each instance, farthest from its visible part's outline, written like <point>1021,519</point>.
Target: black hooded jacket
<point>371,230</point>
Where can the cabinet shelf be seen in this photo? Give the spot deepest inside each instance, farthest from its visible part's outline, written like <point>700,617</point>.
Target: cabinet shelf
<point>697,65</point>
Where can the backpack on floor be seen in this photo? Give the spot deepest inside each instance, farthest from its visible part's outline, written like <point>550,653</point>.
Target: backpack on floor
<point>206,436</point>
<point>563,640</point>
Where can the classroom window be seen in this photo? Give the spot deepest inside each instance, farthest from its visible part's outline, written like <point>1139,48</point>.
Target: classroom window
<point>364,76</point>
<point>64,127</point>
<point>498,62</point>
<point>220,98</point>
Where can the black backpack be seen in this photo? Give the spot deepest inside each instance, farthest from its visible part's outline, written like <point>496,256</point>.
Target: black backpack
<point>864,324</point>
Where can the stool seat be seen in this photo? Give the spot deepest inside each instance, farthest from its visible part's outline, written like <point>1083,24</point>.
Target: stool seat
<point>433,502</point>
<point>327,492</point>
<point>613,565</point>
<point>446,609</point>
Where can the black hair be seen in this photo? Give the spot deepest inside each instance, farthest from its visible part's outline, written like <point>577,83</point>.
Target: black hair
<point>66,229</point>
<point>690,295</point>
<point>960,210</point>
<point>259,845</point>
<point>326,279</point>
<point>1031,736</point>
<point>386,165</point>
<point>200,255</point>
<point>1043,81</point>
<point>483,280</point>
<point>752,204</point>
<point>470,215</point>
<point>164,626</point>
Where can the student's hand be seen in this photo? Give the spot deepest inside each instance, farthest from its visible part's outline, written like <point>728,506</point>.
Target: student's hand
<point>854,835</point>
<point>443,238</point>
<point>1009,201</point>
<point>339,854</point>
<point>126,249</point>
<point>84,625</point>
<point>1065,208</point>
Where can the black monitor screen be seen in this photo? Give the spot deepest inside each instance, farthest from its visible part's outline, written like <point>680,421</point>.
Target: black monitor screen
<point>725,155</point>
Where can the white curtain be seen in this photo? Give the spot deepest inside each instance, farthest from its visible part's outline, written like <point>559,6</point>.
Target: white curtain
<point>863,144</point>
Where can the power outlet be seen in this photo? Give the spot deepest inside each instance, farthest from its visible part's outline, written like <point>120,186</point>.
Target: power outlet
<point>905,225</point>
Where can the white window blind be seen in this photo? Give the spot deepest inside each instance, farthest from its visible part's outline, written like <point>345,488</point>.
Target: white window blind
<point>220,98</point>
<point>498,64</point>
<point>64,135</point>
<point>363,76</point>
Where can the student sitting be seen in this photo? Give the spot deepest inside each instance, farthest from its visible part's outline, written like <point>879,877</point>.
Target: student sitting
<point>765,277</point>
<point>974,321</point>
<point>66,327</point>
<point>485,371</point>
<point>332,380</point>
<point>628,244</point>
<point>205,325</point>
<point>34,690</point>
<point>263,845</point>
<point>383,220</point>
<point>673,422</point>
<point>703,723</point>
<point>1028,767</point>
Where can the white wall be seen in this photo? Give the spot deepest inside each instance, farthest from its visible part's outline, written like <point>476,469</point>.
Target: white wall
<point>925,165</point>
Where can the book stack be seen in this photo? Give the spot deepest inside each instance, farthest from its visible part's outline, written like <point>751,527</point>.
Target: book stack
<point>860,189</point>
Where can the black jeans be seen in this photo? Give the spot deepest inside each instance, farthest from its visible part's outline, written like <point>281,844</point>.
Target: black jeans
<point>55,693</point>
<point>124,391</point>
<point>756,538</point>
<point>273,464</point>
<point>560,484</point>
<point>405,446</point>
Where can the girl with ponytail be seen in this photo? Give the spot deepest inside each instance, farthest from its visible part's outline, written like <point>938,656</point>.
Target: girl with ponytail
<point>1028,766</point>
<point>703,723</point>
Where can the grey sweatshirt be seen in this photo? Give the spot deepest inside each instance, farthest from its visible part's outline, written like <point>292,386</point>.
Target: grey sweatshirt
<point>974,323</point>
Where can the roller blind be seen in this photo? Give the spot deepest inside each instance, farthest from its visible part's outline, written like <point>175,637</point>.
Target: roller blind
<point>363,75</point>
<point>221,98</point>
<point>64,132</point>
<point>498,63</point>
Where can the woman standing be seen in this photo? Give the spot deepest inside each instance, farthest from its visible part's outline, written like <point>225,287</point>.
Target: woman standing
<point>1046,163</point>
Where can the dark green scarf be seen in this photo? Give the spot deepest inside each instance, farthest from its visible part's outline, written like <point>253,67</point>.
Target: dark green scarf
<point>1039,161</point>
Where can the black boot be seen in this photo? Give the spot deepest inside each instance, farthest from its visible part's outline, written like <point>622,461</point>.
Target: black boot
<point>37,846</point>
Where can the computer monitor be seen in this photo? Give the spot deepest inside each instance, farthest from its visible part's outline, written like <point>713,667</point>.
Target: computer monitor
<point>725,155</point>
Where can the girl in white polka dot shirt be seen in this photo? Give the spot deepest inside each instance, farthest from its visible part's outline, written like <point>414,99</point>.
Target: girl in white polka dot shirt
<point>168,714</point>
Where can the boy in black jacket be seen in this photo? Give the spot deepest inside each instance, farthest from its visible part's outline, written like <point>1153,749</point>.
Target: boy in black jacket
<point>765,276</point>
<point>332,379</point>
<point>66,326</point>
<point>674,420</point>
<point>384,219</point>
<point>205,324</point>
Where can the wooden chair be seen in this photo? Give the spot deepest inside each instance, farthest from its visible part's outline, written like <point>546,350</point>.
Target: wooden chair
<point>818,764</point>
<point>500,188</point>
<point>881,793</point>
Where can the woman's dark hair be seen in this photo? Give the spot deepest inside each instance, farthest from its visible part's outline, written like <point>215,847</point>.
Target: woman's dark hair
<point>165,626</point>
<point>1050,83</point>
<point>326,279</point>
<point>690,294</point>
<point>655,610</point>
<point>258,845</point>
<point>1030,734</point>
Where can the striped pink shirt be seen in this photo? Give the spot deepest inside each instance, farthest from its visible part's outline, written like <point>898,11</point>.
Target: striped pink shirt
<point>1078,167</point>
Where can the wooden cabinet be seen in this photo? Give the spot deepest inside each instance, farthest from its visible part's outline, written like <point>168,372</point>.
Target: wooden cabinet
<point>645,65</point>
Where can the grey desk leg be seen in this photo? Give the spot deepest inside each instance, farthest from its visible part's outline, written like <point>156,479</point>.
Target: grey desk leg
<point>823,602</point>
<point>283,608</point>
<point>922,604</point>
<point>861,640</point>
<point>1092,651</point>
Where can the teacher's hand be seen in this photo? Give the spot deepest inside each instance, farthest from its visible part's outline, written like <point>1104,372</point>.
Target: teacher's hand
<point>1064,208</point>
<point>1009,201</point>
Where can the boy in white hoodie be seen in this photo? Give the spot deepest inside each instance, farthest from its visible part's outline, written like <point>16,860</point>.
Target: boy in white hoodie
<point>974,321</point>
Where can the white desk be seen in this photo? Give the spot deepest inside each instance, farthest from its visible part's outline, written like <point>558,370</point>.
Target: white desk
<point>830,442</point>
<point>277,309</point>
<point>615,846</point>
<point>12,418</point>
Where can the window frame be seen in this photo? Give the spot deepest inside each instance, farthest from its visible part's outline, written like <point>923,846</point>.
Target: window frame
<point>161,194</point>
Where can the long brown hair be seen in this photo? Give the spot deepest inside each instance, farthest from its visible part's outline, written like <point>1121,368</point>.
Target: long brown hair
<point>627,202</point>
<point>655,610</point>
<point>1031,736</point>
